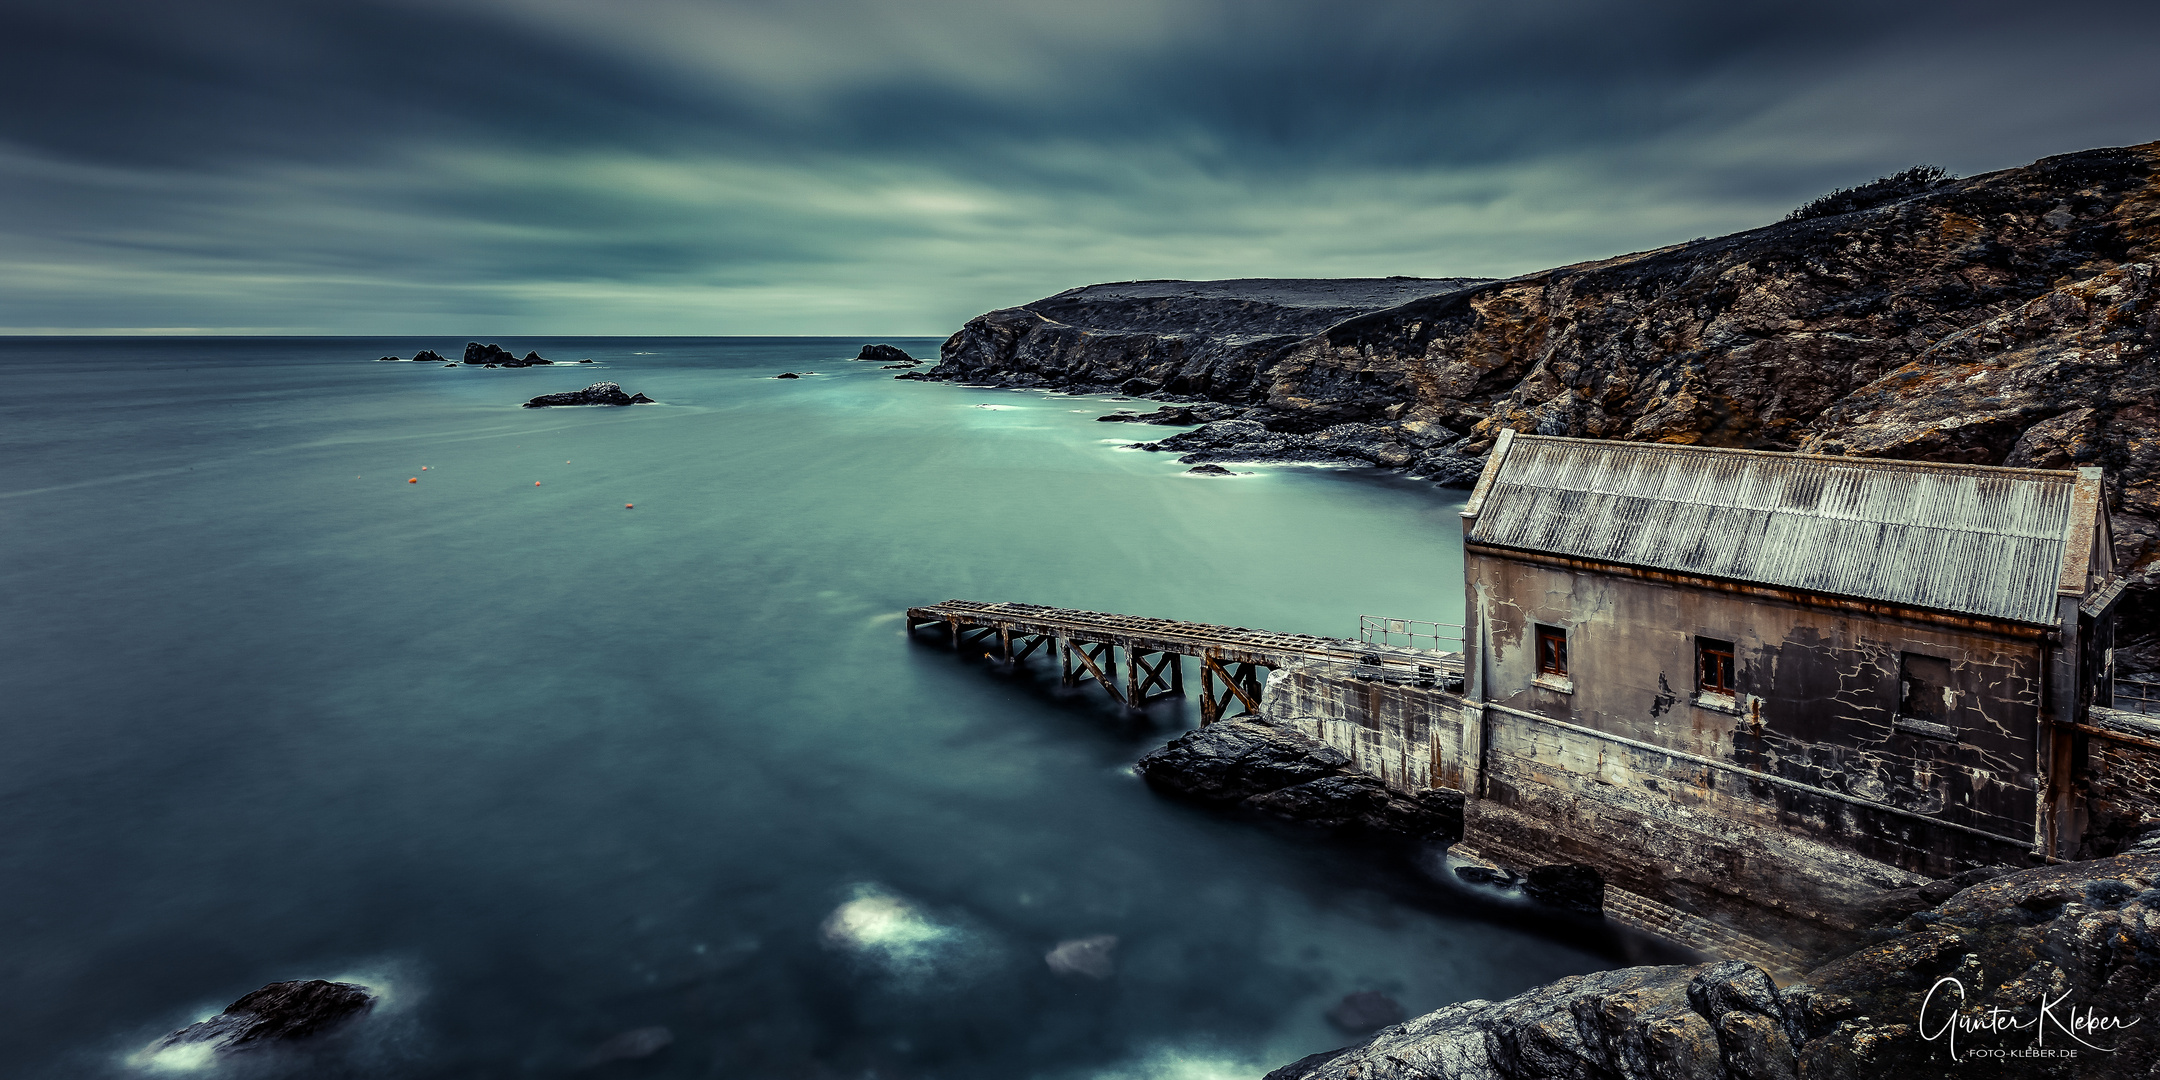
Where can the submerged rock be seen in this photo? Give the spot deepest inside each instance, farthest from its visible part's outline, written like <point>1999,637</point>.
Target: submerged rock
<point>428,356</point>
<point>1255,766</point>
<point>1366,1010</point>
<point>787,375</point>
<point>1210,470</point>
<point>605,393</point>
<point>633,1045</point>
<point>1089,956</point>
<point>277,1013</point>
<point>889,354</point>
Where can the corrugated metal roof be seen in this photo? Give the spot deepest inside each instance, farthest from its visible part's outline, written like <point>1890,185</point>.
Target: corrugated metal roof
<point>1965,539</point>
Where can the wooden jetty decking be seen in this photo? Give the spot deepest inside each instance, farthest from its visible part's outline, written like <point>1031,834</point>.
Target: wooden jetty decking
<point>1088,643</point>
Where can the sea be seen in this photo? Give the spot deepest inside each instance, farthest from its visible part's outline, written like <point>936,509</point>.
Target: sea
<point>594,742</point>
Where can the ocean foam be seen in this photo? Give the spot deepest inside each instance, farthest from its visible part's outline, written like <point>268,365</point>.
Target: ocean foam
<point>887,930</point>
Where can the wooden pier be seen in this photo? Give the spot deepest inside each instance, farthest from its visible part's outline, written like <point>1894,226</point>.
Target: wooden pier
<point>1087,644</point>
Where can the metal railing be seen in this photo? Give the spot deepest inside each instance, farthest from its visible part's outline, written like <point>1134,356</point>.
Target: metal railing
<point>1412,634</point>
<point>2137,695</point>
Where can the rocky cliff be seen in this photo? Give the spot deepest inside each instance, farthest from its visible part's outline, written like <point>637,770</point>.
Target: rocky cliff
<point>1214,340</point>
<point>2007,318</point>
<point>2047,972</point>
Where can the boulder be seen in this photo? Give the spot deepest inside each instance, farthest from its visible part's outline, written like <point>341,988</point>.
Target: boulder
<point>278,1013</point>
<point>886,354</point>
<point>787,375</point>
<point>535,358</point>
<point>1210,470</point>
<point>428,356</point>
<point>605,393</point>
<point>1254,766</point>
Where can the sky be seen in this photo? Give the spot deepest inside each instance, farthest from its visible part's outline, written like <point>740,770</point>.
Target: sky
<point>470,168</point>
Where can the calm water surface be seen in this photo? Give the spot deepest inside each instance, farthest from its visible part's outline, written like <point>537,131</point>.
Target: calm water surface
<point>546,770</point>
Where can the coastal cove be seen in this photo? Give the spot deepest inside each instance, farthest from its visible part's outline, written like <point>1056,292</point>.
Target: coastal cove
<point>560,725</point>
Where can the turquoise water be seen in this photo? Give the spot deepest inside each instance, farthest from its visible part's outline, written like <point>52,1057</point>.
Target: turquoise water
<point>546,769</point>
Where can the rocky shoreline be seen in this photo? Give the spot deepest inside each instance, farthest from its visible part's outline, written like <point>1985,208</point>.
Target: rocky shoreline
<point>2042,947</point>
<point>2003,319</point>
<point>2044,972</point>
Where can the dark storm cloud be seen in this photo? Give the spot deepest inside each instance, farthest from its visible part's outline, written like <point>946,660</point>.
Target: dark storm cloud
<point>677,166</point>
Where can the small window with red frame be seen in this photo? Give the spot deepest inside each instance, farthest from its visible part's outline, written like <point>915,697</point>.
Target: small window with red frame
<point>1714,666</point>
<point>1551,651</point>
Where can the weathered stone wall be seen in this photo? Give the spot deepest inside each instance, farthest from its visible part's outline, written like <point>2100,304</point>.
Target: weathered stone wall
<point>1556,796</point>
<point>2121,780</point>
<point>1816,702</point>
<point>1407,735</point>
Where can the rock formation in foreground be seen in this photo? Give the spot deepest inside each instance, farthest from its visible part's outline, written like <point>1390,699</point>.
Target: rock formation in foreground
<point>2003,319</point>
<point>605,393</point>
<point>2046,972</point>
<point>278,1013</point>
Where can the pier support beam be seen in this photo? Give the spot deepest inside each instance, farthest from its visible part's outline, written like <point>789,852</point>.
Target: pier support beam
<point>1241,683</point>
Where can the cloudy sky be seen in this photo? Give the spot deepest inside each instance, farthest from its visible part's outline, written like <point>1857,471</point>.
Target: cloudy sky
<point>859,167</point>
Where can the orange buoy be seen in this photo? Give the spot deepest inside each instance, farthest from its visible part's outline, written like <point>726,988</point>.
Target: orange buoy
<point>414,480</point>
<point>626,506</point>
<point>536,483</point>
<point>423,468</point>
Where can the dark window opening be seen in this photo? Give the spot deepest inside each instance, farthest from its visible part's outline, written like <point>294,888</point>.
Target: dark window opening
<point>1714,666</point>
<point>1924,692</point>
<point>1551,651</point>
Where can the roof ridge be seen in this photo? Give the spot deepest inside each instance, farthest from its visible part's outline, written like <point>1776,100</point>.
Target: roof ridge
<point>2067,475</point>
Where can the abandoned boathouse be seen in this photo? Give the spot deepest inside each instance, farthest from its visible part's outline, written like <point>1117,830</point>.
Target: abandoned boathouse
<point>1758,688</point>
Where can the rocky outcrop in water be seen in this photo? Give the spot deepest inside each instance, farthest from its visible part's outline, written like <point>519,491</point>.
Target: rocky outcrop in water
<point>497,356</point>
<point>278,1013</point>
<point>2020,969</point>
<point>885,354</point>
<point>605,393</point>
<point>1257,767</point>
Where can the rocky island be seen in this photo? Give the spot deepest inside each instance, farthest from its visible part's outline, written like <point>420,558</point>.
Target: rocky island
<point>2002,319</point>
<point>605,393</point>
